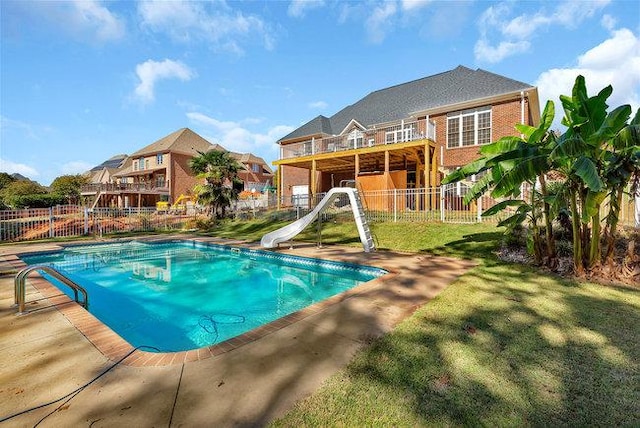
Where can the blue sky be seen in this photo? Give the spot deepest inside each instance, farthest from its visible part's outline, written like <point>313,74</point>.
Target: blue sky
<point>81,81</point>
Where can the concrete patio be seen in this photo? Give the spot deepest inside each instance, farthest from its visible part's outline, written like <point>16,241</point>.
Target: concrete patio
<point>44,356</point>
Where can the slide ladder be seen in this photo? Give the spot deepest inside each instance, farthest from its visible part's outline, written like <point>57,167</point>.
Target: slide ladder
<point>272,239</point>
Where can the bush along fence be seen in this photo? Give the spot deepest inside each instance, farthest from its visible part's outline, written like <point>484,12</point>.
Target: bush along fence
<point>66,221</point>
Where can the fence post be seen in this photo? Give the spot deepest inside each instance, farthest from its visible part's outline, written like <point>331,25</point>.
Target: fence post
<point>395,209</point>
<point>51,234</point>
<point>86,220</point>
<point>442,207</point>
<point>480,209</point>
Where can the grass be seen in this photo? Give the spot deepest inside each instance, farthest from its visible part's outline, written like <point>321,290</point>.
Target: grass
<point>461,240</point>
<point>505,345</point>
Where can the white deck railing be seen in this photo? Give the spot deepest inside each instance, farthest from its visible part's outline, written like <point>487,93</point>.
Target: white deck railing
<point>376,136</point>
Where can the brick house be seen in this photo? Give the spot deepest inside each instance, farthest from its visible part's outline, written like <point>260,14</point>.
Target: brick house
<point>405,136</point>
<point>160,172</point>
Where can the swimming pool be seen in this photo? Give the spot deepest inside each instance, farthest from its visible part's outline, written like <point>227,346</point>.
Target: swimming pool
<point>183,295</point>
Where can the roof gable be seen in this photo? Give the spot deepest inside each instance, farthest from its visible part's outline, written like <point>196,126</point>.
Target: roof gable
<point>183,141</point>
<point>317,125</point>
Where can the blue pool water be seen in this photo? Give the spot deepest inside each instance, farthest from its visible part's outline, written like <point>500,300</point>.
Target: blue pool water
<point>184,295</point>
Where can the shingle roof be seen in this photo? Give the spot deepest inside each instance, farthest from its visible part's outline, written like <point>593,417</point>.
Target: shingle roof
<point>398,102</point>
<point>113,162</point>
<point>183,141</point>
<point>245,158</point>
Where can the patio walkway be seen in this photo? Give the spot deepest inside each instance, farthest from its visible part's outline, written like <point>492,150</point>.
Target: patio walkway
<point>44,357</point>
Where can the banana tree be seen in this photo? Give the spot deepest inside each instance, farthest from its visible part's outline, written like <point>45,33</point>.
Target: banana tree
<point>581,154</point>
<point>623,166</point>
<point>510,162</point>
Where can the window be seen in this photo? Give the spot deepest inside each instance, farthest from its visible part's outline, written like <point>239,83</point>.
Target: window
<point>159,159</point>
<point>469,127</point>
<point>256,167</point>
<point>354,139</point>
<point>141,163</point>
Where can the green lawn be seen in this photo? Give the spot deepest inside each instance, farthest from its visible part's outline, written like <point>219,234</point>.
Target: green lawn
<point>504,345</point>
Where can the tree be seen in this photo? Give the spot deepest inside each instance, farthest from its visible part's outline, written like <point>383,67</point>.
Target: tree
<point>583,154</point>
<point>221,183</point>
<point>69,186</point>
<point>5,180</point>
<point>598,155</point>
<point>20,188</point>
<point>509,163</point>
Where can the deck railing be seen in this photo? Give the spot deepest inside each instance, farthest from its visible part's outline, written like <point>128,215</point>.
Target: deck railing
<point>90,189</point>
<point>376,136</point>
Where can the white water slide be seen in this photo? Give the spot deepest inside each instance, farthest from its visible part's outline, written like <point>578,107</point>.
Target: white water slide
<point>272,239</point>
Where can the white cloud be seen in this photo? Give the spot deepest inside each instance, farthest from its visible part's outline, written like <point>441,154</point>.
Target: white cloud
<point>149,72</point>
<point>485,52</point>
<point>601,66</point>
<point>377,23</point>
<point>512,34</point>
<point>88,21</point>
<point>92,16</point>
<point>608,22</point>
<point>213,22</point>
<point>320,105</point>
<point>236,137</point>
<point>299,8</point>
<point>26,128</point>
<point>20,168</point>
<point>75,167</point>
<point>409,5</point>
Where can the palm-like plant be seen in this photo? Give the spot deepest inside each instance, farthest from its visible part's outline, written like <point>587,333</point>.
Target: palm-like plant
<point>219,172</point>
<point>622,167</point>
<point>509,163</point>
<point>583,154</point>
<point>598,155</point>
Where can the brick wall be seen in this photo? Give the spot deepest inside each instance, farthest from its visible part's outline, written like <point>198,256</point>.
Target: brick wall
<point>182,179</point>
<point>292,176</point>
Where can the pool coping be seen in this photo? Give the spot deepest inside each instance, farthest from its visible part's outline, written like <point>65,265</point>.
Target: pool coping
<point>116,348</point>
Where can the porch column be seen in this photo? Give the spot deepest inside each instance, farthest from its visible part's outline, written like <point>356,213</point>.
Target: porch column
<point>313,181</point>
<point>280,185</point>
<point>434,175</point>
<point>386,168</point>
<point>427,173</point>
<point>356,171</point>
<point>417,195</point>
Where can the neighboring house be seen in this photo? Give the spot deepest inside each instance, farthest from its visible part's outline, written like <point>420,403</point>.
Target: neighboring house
<point>405,136</point>
<point>255,172</point>
<point>102,173</point>
<point>160,172</point>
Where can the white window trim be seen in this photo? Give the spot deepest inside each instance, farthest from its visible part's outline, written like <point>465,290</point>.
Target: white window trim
<point>458,115</point>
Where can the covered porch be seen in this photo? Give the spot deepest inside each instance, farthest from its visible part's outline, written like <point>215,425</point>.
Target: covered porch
<point>402,165</point>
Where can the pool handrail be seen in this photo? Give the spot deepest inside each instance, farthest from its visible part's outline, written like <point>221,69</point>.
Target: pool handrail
<point>20,285</point>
